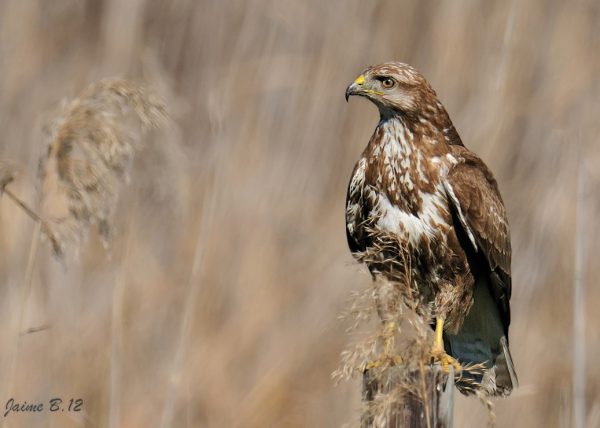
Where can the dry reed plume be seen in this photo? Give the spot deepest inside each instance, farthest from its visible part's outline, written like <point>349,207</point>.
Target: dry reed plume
<point>90,151</point>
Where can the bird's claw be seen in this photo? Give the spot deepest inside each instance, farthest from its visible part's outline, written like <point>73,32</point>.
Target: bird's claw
<point>440,356</point>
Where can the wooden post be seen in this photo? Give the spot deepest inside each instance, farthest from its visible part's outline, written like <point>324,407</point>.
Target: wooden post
<point>411,411</point>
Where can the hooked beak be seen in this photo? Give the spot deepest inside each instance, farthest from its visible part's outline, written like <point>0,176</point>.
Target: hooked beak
<point>349,91</point>
<point>356,87</point>
<point>360,87</point>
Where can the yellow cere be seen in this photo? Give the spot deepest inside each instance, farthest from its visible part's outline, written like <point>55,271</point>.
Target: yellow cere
<point>360,80</point>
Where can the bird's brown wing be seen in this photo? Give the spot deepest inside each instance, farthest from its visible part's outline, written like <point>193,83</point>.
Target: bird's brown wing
<point>475,199</point>
<point>355,207</point>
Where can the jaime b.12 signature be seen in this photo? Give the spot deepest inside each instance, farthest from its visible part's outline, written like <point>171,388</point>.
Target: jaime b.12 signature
<point>55,404</point>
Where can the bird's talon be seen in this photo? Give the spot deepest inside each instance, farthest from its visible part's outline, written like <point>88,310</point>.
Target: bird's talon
<point>438,353</point>
<point>445,360</point>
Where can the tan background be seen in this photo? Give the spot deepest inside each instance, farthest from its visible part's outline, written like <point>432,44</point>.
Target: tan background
<point>250,183</point>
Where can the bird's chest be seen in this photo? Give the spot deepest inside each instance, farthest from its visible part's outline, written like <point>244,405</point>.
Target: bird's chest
<point>404,194</point>
<point>397,214</point>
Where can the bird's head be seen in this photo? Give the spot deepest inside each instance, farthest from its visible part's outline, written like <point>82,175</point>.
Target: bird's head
<point>395,88</point>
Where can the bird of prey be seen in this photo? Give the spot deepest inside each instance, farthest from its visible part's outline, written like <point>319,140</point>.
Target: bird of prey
<point>417,182</point>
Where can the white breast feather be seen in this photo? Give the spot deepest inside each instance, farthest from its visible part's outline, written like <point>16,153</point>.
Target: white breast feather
<point>409,226</point>
<point>397,149</point>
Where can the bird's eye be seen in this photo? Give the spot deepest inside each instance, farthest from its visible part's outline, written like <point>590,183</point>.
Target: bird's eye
<point>388,83</point>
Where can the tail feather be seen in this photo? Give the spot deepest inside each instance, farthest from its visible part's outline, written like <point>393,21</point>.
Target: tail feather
<point>506,377</point>
<point>492,372</point>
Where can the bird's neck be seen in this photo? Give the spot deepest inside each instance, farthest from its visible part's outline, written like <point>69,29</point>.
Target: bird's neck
<point>432,124</point>
<point>393,131</point>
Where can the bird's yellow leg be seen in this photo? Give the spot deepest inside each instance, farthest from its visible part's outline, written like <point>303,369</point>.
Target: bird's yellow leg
<point>438,353</point>
<point>387,358</point>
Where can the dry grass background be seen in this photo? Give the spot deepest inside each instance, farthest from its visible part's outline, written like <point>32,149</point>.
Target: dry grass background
<point>217,304</point>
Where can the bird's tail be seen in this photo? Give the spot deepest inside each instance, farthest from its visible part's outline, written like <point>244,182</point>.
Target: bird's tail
<point>485,370</point>
<point>504,369</point>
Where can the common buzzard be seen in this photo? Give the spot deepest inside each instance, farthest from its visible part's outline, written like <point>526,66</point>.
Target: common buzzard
<point>417,182</point>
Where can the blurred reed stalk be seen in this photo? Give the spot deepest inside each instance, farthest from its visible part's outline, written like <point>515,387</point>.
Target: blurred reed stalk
<point>7,176</point>
<point>33,248</point>
<point>115,396</point>
<point>207,213</point>
<point>579,337</point>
